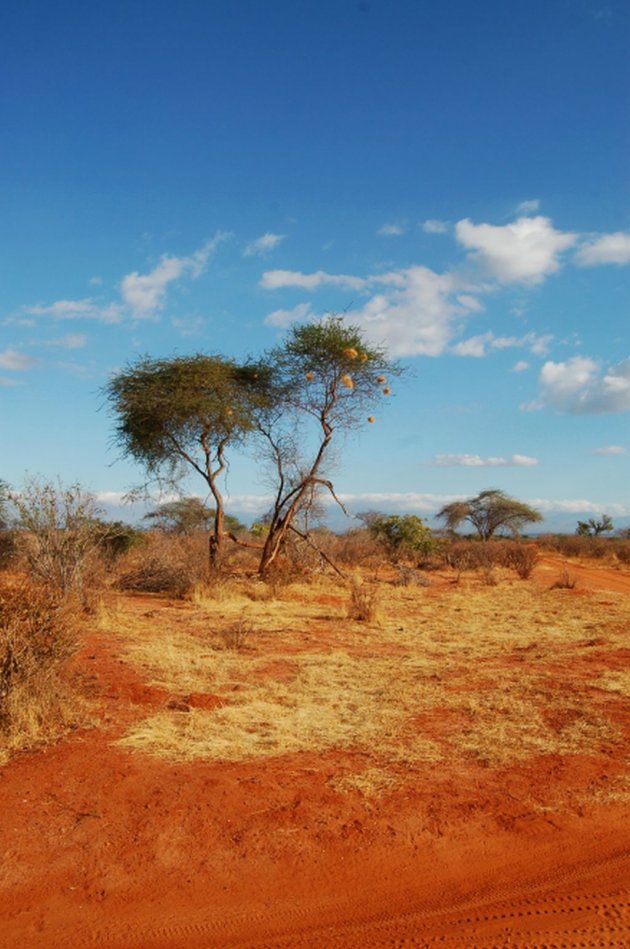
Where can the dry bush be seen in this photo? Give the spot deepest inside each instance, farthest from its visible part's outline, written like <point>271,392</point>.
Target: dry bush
<point>237,633</point>
<point>356,547</point>
<point>575,545</point>
<point>38,634</point>
<point>566,581</point>
<point>59,536</point>
<point>167,563</point>
<point>521,557</point>
<point>363,605</point>
<point>7,548</point>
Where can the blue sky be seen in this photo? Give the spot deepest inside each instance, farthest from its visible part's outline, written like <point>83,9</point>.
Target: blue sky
<point>195,176</point>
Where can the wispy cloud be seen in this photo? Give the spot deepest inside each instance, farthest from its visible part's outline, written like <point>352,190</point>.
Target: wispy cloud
<point>476,461</point>
<point>144,294</point>
<point>278,279</point>
<point>84,309</point>
<point>525,251</point>
<point>520,366</point>
<point>263,245</point>
<point>69,341</point>
<point>579,386</point>
<point>528,207</point>
<point>188,325</point>
<point>298,314</point>
<point>611,450</point>
<point>605,249</point>
<point>433,226</point>
<point>392,230</point>
<point>16,361</point>
<point>478,345</point>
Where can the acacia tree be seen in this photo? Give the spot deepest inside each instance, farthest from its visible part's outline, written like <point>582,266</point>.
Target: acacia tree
<point>490,511</point>
<point>593,528</point>
<point>181,414</point>
<point>186,515</point>
<point>326,378</point>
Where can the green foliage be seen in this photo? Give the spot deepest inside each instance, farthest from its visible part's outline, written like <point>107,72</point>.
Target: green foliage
<point>327,374</point>
<point>404,533</point>
<point>328,370</point>
<point>117,538</point>
<point>593,528</point>
<point>489,512</point>
<point>183,410</point>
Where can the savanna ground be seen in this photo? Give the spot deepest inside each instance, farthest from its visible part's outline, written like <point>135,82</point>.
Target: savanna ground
<point>257,768</point>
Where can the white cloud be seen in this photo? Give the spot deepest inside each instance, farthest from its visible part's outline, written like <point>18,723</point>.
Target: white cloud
<point>520,366</point>
<point>579,506</point>
<point>85,309</point>
<point>298,314</point>
<point>95,281</point>
<point>476,461</point>
<point>391,230</point>
<point>433,226</point>
<point>263,245</point>
<point>605,249</point>
<point>145,294</point>
<point>278,279</point>
<point>525,251</point>
<point>407,501</point>
<point>478,345</point>
<point>417,316</point>
<point>473,346</point>
<point>5,381</point>
<point>578,386</point>
<point>528,207</point>
<point>69,341</point>
<point>16,361</point>
<point>611,450</point>
<point>416,312</point>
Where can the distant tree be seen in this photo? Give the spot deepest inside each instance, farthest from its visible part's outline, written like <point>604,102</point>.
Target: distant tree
<point>404,533</point>
<point>184,413</point>
<point>186,515</point>
<point>593,528</point>
<point>326,378</point>
<point>489,512</point>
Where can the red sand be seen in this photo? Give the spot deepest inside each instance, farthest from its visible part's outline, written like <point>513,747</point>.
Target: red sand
<point>104,847</point>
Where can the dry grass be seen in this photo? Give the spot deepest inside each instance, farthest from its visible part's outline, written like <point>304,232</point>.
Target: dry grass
<point>38,633</point>
<point>476,659</point>
<point>363,606</point>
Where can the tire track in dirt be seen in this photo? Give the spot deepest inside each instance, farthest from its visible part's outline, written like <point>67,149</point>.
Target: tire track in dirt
<point>575,907</point>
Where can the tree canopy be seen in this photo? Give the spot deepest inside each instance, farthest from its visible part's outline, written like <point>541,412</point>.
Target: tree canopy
<point>489,512</point>
<point>593,527</point>
<point>327,374</point>
<point>182,413</point>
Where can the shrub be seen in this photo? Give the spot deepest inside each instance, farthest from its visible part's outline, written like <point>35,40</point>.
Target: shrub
<point>58,534</point>
<point>363,605</point>
<point>37,636</point>
<point>172,564</point>
<point>521,557</point>
<point>403,535</point>
<point>566,581</point>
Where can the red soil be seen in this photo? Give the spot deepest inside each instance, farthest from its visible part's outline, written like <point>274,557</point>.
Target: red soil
<point>101,846</point>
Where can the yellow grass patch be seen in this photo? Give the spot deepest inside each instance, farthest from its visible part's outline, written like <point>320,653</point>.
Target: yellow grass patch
<point>465,674</point>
